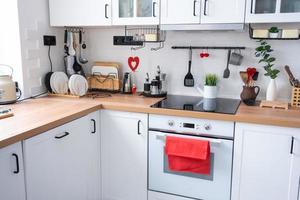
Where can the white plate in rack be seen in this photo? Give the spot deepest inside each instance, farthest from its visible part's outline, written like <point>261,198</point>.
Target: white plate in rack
<point>59,83</point>
<point>78,85</point>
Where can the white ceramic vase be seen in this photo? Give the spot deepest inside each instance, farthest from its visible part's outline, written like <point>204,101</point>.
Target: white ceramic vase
<point>273,35</point>
<point>271,91</point>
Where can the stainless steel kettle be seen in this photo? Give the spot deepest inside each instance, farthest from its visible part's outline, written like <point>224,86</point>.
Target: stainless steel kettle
<point>8,88</point>
<point>127,83</point>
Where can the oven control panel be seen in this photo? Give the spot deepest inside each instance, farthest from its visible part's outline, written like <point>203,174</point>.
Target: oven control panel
<point>191,125</point>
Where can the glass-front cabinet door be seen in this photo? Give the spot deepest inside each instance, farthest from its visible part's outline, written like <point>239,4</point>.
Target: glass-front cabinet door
<point>136,12</point>
<point>272,11</point>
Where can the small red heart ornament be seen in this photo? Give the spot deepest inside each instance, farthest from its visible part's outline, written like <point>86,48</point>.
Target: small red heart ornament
<point>133,63</point>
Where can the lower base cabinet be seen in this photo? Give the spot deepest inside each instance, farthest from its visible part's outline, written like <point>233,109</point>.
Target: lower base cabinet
<point>266,163</point>
<point>161,196</point>
<point>12,185</point>
<point>64,163</point>
<point>123,155</point>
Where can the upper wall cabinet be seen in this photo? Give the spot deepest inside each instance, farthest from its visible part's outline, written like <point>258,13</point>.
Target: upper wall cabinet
<point>136,12</point>
<point>272,11</point>
<point>80,12</point>
<point>204,12</point>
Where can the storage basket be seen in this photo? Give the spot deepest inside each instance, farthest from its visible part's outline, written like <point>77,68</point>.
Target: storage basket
<point>296,97</point>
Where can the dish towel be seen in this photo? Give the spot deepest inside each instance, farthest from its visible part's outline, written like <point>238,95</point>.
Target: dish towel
<point>188,155</point>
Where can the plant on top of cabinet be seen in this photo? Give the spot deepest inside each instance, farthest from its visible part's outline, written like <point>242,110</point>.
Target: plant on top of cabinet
<point>264,52</point>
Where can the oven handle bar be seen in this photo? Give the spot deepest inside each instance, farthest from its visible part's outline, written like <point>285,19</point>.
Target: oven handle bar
<point>214,141</point>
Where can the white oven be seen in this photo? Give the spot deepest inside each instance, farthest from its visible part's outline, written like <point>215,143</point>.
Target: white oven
<point>217,185</point>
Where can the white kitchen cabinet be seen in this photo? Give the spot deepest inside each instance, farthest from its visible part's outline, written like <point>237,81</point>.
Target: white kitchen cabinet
<point>219,12</point>
<point>272,11</point>
<point>12,185</point>
<point>64,163</point>
<point>136,12</point>
<point>80,12</point>
<point>180,12</point>
<point>204,12</point>
<point>124,155</point>
<point>162,196</point>
<point>266,163</point>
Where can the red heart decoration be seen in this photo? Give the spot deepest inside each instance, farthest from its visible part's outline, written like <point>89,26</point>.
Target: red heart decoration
<point>133,63</point>
<point>206,54</point>
<point>202,55</point>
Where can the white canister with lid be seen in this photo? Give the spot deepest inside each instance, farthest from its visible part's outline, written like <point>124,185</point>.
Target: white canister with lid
<point>7,88</point>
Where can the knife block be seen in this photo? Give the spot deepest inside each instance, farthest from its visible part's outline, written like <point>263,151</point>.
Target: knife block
<point>295,102</point>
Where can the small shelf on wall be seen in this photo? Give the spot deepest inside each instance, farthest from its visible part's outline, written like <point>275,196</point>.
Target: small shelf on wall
<point>140,35</point>
<point>265,34</point>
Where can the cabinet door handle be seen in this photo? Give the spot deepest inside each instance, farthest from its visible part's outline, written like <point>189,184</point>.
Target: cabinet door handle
<point>251,8</point>
<point>292,146</point>
<point>17,163</point>
<point>138,127</point>
<point>62,136</point>
<point>205,7</point>
<point>94,124</point>
<point>154,11</point>
<point>194,9</point>
<point>106,6</point>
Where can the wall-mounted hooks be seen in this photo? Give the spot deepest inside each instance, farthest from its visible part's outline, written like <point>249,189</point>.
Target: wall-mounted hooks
<point>161,45</point>
<point>209,47</point>
<point>74,29</point>
<point>138,48</point>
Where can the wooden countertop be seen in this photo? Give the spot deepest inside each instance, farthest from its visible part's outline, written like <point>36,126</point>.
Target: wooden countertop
<point>35,116</point>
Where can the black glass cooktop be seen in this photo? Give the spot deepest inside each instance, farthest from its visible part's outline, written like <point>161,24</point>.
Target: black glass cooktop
<point>219,105</point>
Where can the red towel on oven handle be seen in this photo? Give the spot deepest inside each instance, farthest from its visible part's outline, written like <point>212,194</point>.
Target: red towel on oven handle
<point>188,155</point>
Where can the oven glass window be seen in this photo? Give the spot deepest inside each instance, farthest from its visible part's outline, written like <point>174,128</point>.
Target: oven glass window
<point>193,175</point>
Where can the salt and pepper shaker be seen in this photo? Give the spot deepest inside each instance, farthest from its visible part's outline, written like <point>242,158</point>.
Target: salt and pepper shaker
<point>147,85</point>
<point>157,85</point>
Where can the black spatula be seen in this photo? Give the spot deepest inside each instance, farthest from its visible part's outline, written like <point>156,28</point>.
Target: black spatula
<point>189,79</point>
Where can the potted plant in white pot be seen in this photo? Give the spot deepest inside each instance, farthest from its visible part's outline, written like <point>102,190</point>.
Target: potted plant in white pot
<point>273,32</point>
<point>210,89</point>
<point>263,51</point>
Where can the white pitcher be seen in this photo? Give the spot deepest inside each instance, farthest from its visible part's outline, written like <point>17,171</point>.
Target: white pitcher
<point>208,92</point>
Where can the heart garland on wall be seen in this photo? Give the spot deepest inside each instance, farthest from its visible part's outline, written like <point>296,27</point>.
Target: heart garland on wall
<point>133,63</point>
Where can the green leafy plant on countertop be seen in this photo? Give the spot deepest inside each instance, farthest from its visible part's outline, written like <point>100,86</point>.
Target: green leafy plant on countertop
<point>263,51</point>
<point>274,29</point>
<point>211,80</point>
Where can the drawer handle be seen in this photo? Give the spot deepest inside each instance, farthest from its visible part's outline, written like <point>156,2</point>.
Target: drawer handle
<point>62,136</point>
<point>94,124</point>
<point>17,163</point>
<point>106,6</point>
<point>138,127</point>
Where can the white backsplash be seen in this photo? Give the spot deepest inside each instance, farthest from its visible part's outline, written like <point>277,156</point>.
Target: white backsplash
<point>175,62</point>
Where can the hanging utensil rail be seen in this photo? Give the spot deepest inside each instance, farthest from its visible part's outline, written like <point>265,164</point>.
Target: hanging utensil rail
<point>209,47</point>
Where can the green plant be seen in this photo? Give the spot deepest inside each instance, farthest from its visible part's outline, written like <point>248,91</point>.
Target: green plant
<point>264,52</point>
<point>211,80</point>
<point>273,29</point>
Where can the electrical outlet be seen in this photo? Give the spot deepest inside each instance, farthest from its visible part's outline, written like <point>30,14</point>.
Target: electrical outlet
<point>49,40</point>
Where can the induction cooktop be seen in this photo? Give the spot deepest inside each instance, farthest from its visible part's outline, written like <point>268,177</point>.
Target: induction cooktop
<point>199,104</point>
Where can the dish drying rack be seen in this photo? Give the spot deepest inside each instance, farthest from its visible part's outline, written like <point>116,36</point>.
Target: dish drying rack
<point>146,34</point>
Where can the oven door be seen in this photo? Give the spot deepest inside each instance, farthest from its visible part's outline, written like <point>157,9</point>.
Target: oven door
<point>216,186</point>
